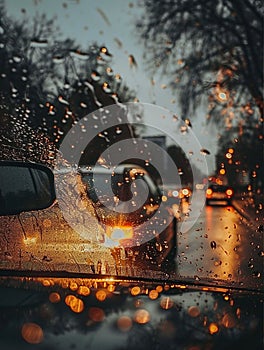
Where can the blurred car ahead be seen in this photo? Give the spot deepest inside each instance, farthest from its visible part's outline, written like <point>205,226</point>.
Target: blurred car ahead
<point>172,194</point>
<point>127,202</point>
<point>218,194</point>
<point>41,232</point>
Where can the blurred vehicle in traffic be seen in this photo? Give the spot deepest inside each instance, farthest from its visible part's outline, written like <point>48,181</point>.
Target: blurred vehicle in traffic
<point>74,231</point>
<point>218,194</point>
<point>127,202</point>
<point>173,194</point>
<point>126,186</point>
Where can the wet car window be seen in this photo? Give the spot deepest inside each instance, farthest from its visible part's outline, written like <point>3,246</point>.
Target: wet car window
<point>148,118</point>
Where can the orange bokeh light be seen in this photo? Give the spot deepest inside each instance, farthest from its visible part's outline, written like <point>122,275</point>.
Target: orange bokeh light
<point>124,323</point>
<point>142,316</point>
<point>166,303</point>
<point>135,290</point>
<point>213,328</point>
<point>54,297</point>
<point>153,294</point>
<point>32,333</point>
<point>83,290</point>
<point>100,295</point>
<point>96,314</point>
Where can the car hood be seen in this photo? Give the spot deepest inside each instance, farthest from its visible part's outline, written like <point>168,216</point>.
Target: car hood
<point>74,313</point>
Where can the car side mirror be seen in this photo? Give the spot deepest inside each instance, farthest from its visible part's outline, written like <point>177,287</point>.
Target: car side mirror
<point>25,186</point>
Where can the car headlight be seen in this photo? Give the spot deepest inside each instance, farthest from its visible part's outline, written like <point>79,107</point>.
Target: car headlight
<point>118,233</point>
<point>185,192</point>
<point>175,193</point>
<point>209,192</point>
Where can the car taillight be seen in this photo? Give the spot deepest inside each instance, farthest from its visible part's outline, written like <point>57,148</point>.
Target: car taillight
<point>118,233</point>
<point>229,192</point>
<point>209,192</point>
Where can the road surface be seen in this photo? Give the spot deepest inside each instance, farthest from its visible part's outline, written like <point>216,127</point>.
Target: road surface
<point>222,245</point>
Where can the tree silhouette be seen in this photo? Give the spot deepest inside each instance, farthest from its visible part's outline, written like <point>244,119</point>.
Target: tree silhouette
<point>211,49</point>
<point>47,84</point>
<point>242,158</point>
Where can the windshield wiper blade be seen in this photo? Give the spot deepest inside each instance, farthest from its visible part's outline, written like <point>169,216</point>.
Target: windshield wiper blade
<point>182,284</point>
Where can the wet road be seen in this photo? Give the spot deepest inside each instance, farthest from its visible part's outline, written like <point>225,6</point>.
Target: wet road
<point>221,245</point>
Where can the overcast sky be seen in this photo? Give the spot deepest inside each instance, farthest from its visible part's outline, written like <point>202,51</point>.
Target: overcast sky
<point>111,23</point>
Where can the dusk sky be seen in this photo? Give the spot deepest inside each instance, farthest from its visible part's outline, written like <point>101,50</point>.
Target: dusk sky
<point>112,23</point>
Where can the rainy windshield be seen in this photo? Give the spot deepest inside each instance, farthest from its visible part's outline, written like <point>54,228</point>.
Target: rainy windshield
<point>150,115</point>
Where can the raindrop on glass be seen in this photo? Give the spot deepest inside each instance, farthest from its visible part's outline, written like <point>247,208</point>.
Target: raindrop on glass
<point>213,244</point>
<point>204,151</point>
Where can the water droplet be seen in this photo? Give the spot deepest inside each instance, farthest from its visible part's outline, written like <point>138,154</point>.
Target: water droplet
<point>194,311</point>
<point>37,43</point>
<point>180,172</point>
<point>213,244</point>
<point>80,55</point>
<point>228,321</point>
<point>166,303</point>
<point>57,59</point>
<point>158,247</point>
<point>103,15</point>
<point>62,100</point>
<point>183,129</point>
<point>118,78</point>
<point>95,76</point>
<point>100,60</point>
<point>204,151</point>
<point>188,122</point>
<point>218,263</point>
<point>109,71</point>
<point>106,87</point>
<point>260,228</point>
<point>132,61</point>
<point>17,59</point>
<point>118,131</point>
